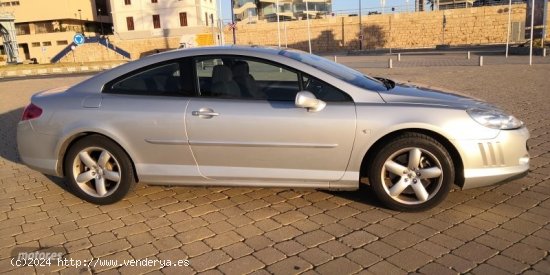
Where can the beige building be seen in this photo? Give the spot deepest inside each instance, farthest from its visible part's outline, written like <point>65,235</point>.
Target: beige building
<point>135,19</point>
<point>46,27</point>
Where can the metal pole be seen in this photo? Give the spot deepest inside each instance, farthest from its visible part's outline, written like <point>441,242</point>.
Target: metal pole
<point>308,27</point>
<point>233,23</point>
<point>278,23</point>
<point>100,20</point>
<point>81,26</point>
<point>220,21</point>
<point>286,37</point>
<point>360,28</point>
<point>532,27</point>
<point>509,22</point>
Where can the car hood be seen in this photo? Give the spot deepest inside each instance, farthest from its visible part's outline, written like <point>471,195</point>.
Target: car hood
<point>412,94</point>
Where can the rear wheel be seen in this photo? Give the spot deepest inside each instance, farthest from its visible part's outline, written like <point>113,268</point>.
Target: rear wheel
<point>98,170</point>
<point>413,172</point>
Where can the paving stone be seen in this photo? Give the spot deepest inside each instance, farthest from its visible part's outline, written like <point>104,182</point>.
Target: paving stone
<point>292,265</point>
<point>508,264</point>
<point>195,248</point>
<point>314,238</point>
<point>435,268</point>
<point>238,250</point>
<point>484,269</point>
<point>339,265</point>
<point>456,263</point>
<point>410,259</point>
<point>242,265</point>
<point>475,252</point>
<point>363,257</point>
<point>402,239</point>
<point>524,253</point>
<point>385,267</point>
<point>270,255</point>
<point>381,249</point>
<point>223,240</point>
<point>290,248</point>
<point>315,256</point>
<point>431,249</point>
<point>209,260</point>
<point>335,248</point>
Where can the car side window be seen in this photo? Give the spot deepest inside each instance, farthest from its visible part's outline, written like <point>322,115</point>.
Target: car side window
<point>162,80</point>
<point>245,78</point>
<point>323,90</point>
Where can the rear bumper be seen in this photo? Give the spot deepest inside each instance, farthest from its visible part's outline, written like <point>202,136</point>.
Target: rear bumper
<point>488,162</point>
<point>36,150</point>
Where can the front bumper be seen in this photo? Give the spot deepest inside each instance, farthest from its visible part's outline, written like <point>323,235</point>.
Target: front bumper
<point>487,162</point>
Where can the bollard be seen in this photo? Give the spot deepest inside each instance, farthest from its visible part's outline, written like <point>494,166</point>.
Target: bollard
<point>399,57</point>
<point>335,59</point>
<point>544,52</point>
<point>469,56</point>
<point>480,60</point>
<point>390,63</point>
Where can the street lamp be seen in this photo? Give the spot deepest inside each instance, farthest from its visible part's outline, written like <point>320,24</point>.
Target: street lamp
<point>80,16</point>
<point>100,21</point>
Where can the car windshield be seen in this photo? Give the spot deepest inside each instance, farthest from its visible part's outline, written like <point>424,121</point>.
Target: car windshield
<point>337,70</point>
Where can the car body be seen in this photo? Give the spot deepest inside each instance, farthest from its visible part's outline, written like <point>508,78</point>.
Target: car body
<point>254,116</point>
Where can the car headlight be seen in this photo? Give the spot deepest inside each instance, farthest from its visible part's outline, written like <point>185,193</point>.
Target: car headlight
<point>494,118</point>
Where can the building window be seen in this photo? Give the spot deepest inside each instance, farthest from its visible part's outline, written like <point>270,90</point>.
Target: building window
<point>154,1</point>
<point>62,42</point>
<point>127,2</point>
<point>35,44</point>
<point>15,3</point>
<point>47,43</point>
<point>22,28</point>
<point>43,27</point>
<point>156,21</point>
<point>206,18</point>
<point>183,19</point>
<point>212,19</point>
<point>130,23</point>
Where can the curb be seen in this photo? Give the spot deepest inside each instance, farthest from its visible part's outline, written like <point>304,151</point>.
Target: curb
<point>49,71</point>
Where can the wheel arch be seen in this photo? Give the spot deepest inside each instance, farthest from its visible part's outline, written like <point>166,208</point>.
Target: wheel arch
<point>71,140</point>
<point>451,149</point>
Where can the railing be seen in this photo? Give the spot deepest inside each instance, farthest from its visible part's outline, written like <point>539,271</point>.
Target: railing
<point>93,39</point>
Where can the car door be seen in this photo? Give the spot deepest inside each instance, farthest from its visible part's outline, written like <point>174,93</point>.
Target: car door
<point>145,111</point>
<point>245,125</point>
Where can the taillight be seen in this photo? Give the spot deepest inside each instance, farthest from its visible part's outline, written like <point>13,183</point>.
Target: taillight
<point>31,111</point>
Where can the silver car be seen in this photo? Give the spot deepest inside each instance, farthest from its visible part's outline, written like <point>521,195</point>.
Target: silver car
<point>252,116</point>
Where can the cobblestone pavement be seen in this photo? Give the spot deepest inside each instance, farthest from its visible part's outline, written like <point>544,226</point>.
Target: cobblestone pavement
<point>493,230</point>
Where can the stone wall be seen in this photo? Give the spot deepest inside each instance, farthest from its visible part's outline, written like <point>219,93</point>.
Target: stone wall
<point>471,26</point>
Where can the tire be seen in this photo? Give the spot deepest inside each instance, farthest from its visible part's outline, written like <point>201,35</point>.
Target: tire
<point>93,160</point>
<point>412,172</point>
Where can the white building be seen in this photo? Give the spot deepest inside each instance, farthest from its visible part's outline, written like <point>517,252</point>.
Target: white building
<point>134,19</point>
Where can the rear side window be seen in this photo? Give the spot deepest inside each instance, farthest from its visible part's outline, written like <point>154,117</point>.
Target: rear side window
<point>167,79</point>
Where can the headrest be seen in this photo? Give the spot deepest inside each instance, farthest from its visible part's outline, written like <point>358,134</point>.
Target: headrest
<point>240,69</point>
<point>221,73</point>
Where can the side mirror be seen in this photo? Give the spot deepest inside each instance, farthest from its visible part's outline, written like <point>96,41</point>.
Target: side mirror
<point>305,99</point>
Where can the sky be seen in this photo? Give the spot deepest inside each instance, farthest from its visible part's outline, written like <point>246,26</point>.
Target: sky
<point>344,6</point>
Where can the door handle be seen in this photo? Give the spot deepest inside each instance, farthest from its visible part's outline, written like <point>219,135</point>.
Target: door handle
<point>205,113</point>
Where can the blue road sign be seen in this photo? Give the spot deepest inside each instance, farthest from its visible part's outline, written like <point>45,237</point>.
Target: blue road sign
<point>78,39</point>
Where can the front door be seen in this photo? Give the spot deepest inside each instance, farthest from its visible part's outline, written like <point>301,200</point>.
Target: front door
<point>245,125</point>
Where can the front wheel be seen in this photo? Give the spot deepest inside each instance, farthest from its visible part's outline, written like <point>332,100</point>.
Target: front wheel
<point>98,170</point>
<point>413,172</point>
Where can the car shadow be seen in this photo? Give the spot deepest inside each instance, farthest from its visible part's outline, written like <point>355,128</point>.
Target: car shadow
<point>364,195</point>
<point>8,135</point>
